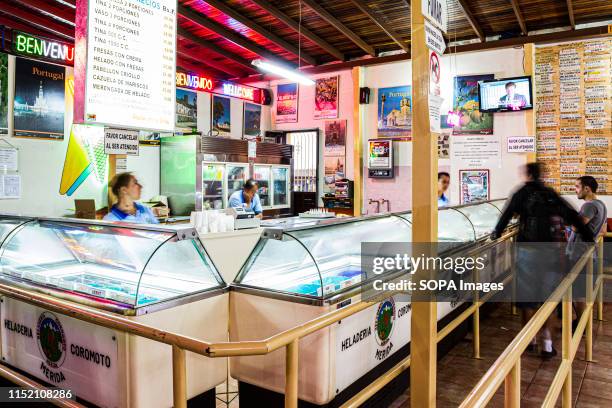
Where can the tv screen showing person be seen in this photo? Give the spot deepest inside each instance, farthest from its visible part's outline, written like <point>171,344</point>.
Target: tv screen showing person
<point>512,94</point>
<point>512,100</point>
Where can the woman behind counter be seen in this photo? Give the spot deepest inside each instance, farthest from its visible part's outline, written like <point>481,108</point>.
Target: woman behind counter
<point>126,188</point>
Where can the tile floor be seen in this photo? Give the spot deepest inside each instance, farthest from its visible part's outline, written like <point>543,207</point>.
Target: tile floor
<point>458,372</point>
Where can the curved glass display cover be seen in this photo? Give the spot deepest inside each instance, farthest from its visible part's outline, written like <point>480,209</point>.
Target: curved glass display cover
<point>319,261</point>
<point>131,266</point>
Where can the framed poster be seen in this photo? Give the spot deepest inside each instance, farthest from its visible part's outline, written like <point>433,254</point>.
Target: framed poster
<point>186,110</point>
<point>334,154</point>
<point>474,185</point>
<point>3,93</point>
<point>465,102</point>
<point>287,103</point>
<point>221,116</point>
<point>395,112</point>
<point>326,98</point>
<point>39,99</point>
<point>252,120</point>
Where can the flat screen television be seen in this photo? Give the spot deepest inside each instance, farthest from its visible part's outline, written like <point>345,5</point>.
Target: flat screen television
<point>507,94</point>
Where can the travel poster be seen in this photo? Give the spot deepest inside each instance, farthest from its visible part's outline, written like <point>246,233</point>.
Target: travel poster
<point>287,103</point>
<point>395,112</point>
<point>39,103</point>
<point>465,102</point>
<point>221,116</point>
<point>326,98</point>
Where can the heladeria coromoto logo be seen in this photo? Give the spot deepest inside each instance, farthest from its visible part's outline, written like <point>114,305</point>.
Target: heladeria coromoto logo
<point>51,339</point>
<point>385,317</point>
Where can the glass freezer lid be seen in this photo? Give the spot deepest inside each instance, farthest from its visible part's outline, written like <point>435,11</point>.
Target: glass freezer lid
<point>319,261</point>
<point>131,265</point>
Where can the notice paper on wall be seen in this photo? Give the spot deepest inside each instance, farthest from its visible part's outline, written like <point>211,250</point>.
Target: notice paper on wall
<point>521,144</point>
<point>9,159</point>
<point>476,151</point>
<point>120,141</point>
<point>10,186</point>
<point>435,102</point>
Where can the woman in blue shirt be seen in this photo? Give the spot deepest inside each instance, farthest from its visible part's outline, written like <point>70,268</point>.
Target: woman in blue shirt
<point>127,209</point>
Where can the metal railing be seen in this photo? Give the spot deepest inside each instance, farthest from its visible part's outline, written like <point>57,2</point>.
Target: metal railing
<point>288,339</point>
<point>507,368</point>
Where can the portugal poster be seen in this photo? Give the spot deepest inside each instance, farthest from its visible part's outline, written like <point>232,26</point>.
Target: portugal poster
<point>395,112</point>
<point>39,99</point>
<point>3,93</point>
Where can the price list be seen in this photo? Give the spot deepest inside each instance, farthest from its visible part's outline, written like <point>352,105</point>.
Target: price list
<point>131,63</point>
<point>574,111</point>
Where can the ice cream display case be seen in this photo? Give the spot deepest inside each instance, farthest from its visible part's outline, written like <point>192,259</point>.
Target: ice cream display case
<point>160,276</point>
<point>299,272</point>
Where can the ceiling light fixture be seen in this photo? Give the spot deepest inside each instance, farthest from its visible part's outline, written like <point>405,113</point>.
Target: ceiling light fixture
<point>283,72</point>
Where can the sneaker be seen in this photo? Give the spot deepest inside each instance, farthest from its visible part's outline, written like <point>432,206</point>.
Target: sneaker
<point>547,355</point>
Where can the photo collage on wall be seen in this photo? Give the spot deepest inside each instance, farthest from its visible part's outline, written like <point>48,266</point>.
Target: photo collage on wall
<point>334,157</point>
<point>574,113</point>
<point>474,185</point>
<point>465,103</point>
<point>395,113</point>
<point>39,103</point>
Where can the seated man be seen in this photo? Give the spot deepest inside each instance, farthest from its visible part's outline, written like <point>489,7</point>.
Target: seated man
<point>247,198</point>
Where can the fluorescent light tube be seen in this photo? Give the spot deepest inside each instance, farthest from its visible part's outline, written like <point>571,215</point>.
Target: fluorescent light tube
<point>283,72</point>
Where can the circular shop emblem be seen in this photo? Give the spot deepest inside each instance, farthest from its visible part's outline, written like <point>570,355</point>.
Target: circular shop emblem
<point>51,339</point>
<point>385,316</point>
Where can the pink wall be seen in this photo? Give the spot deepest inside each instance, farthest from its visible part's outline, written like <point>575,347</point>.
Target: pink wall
<point>306,118</point>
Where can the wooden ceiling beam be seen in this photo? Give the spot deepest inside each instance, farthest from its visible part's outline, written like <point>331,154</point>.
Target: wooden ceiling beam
<point>245,21</point>
<point>9,22</point>
<point>472,20</point>
<point>182,33</point>
<point>193,66</point>
<point>378,20</point>
<point>229,35</point>
<point>38,20</point>
<point>570,12</point>
<point>519,16</point>
<point>334,22</point>
<point>185,52</point>
<point>53,9</point>
<point>275,12</point>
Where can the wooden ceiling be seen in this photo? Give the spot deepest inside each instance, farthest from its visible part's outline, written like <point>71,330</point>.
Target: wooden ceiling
<point>222,37</point>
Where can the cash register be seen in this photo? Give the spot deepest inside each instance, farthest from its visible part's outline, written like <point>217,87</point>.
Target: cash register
<point>243,218</point>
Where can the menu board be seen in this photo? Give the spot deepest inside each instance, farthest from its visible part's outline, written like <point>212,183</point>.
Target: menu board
<point>573,113</point>
<point>131,64</point>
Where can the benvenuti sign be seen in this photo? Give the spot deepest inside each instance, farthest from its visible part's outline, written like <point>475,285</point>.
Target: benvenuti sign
<point>42,48</point>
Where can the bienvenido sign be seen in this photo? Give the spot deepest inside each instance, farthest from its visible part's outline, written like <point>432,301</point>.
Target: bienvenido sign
<point>207,84</point>
<point>42,48</point>
<point>126,63</point>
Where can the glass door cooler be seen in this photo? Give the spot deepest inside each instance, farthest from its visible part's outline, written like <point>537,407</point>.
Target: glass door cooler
<point>213,175</point>
<point>281,186</point>
<point>159,276</point>
<point>262,174</point>
<point>301,271</point>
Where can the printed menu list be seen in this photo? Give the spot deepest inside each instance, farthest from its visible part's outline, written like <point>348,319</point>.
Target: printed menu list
<point>131,63</point>
<point>574,113</point>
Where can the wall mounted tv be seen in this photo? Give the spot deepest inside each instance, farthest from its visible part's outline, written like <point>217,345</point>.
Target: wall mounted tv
<point>504,95</point>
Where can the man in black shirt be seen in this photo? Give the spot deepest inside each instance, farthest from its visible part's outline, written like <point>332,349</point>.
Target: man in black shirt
<point>540,211</point>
